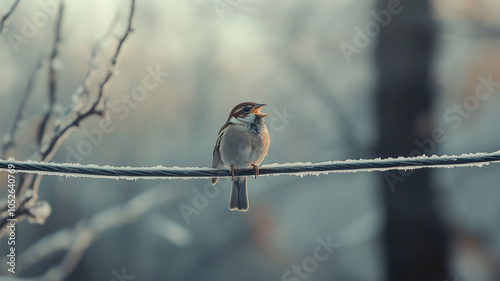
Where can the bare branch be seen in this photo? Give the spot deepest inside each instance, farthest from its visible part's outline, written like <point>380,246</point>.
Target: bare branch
<point>7,15</point>
<point>93,56</point>
<point>30,189</point>
<point>76,241</point>
<point>92,110</point>
<point>29,198</point>
<point>81,95</point>
<point>114,59</point>
<point>52,78</point>
<point>20,111</point>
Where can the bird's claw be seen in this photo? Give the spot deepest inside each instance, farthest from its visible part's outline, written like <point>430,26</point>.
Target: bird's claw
<point>256,169</point>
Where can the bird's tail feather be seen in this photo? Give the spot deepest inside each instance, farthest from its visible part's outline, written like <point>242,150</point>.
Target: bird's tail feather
<point>239,196</point>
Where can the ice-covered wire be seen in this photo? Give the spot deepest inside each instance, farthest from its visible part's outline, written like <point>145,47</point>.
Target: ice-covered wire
<point>301,169</point>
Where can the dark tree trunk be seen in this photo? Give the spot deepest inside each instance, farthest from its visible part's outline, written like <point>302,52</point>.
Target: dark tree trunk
<point>415,238</point>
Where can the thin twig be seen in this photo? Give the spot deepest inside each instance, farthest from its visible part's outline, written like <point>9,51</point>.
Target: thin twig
<point>93,56</point>
<point>87,231</point>
<point>30,183</point>
<point>30,188</point>
<point>78,101</point>
<point>7,15</point>
<point>20,111</point>
<point>114,59</point>
<point>52,79</point>
<point>76,241</point>
<point>111,218</point>
<point>92,110</point>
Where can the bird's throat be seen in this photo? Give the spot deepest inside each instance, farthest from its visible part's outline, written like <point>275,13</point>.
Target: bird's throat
<point>255,126</point>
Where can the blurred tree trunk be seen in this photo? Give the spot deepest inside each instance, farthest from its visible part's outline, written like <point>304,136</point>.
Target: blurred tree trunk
<point>415,238</point>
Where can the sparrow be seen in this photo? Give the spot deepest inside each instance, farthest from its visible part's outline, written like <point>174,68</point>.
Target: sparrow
<point>242,143</point>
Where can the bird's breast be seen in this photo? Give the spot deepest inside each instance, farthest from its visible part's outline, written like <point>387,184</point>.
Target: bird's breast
<point>241,146</point>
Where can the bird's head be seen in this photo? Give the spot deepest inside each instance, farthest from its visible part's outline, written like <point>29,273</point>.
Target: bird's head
<point>246,112</point>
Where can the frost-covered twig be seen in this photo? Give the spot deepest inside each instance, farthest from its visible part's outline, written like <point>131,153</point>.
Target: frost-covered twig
<point>52,79</point>
<point>84,91</point>
<point>82,94</point>
<point>93,109</point>
<point>7,15</point>
<point>10,139</point>
<point>76,241</point>
<point>299,169</point>
<point>29,189</point>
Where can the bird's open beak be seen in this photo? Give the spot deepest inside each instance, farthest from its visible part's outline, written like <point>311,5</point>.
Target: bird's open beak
<point>257,108</point>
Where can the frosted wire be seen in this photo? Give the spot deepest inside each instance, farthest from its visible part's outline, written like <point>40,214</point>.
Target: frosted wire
<point>299,169</point>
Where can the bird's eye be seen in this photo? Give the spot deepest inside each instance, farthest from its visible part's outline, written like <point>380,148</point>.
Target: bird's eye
<point>246,109</point>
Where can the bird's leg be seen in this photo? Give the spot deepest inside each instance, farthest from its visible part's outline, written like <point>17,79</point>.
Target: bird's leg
<point>232,172</point>
<point>256,169</point>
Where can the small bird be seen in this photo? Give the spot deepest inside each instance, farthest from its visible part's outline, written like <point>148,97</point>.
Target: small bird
<point>242,143</point>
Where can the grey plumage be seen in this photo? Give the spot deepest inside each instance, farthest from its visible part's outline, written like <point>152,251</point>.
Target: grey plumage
<point>242,142</point>
<point>239,196</point>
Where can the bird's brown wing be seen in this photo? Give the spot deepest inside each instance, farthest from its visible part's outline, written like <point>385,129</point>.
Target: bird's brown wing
<point>217,161</point>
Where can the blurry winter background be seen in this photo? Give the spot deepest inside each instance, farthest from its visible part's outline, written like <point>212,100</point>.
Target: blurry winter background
<point>180,72</point>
